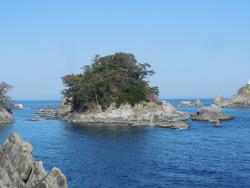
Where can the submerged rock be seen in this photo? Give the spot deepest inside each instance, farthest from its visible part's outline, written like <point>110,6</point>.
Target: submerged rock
<point>38,119</point>
<point>174,125</point>
<point>143,114</point>
<point>213,113</point>
<point>18,169</point>
<point>241,99</point>
<point>217,124</point>
<point>5,116</point>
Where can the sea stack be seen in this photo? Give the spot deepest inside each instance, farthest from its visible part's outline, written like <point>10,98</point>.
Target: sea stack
<point>241,99</point>
<point>18,169</point>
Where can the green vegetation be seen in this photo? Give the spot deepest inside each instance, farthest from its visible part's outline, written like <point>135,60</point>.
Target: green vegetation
<point>117,78</point>
<point>5,101</point>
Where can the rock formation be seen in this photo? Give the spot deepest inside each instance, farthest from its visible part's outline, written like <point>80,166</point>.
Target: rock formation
<point>143,114</point>
<point>64,108</point>
<point>18,169</point>
<point>5,116</point>
<point>213,113</point>
<point>197,103</point>
<point>241,98</point>
<point>219,100</point>
<point>47,112</point>
<point>186,104</point>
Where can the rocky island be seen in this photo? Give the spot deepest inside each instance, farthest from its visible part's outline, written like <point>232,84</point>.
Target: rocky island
<point>241,99</point>
<point>212,113</point>
<point>113,89</point>
<point>18,169</point>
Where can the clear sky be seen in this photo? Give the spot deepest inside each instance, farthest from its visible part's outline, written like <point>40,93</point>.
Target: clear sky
<point>197,48</point>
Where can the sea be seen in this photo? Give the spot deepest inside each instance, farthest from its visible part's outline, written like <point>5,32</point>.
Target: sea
<point>122,156</point>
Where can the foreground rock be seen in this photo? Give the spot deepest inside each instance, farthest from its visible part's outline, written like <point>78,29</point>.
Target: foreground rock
<point>18,169</point>
<point>144,114</point>
<point>241,98</point>
<point>213,113</point>
<point>5,116</point>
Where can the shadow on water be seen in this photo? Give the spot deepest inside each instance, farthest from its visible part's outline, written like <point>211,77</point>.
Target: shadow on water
<point>100,128</point>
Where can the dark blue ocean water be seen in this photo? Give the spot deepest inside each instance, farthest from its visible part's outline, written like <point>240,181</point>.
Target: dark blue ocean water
<point>111,156</point>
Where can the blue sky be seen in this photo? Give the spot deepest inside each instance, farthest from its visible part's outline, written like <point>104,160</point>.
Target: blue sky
<point>197,48</point>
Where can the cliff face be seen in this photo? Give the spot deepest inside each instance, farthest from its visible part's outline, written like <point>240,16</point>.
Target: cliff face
<point>241,98</point>
<point>149,114</point>
<point>5,116</point>
<point>18,169</point>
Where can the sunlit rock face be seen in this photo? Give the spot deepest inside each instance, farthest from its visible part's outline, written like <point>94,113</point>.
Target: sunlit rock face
<point>5,116</point>
<point>143,114</point>
<point>18,169</point>
<point>241,98</point>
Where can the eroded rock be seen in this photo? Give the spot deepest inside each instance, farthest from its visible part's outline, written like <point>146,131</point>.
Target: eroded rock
<point>213,113</point>
<point>18,169</point>
<point>5,116</point>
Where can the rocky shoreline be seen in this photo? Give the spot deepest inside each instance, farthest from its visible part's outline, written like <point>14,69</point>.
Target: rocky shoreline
<point>18,169</point>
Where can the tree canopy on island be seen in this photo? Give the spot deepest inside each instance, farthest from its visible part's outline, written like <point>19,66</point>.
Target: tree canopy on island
<point>5,101</point>
<point>117,78</point>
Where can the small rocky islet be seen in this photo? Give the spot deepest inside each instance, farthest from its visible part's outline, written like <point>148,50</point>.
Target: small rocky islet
<point>113,89</point>
<point>197,103</point>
